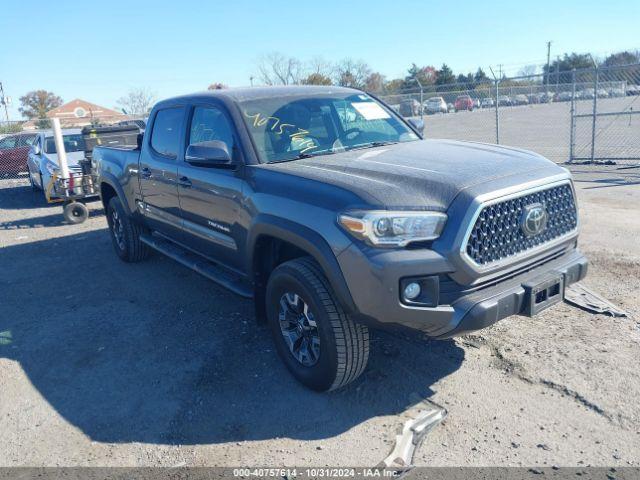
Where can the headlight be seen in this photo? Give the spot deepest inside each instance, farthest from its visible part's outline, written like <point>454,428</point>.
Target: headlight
<point>397,229</point>
<point>51,167</point>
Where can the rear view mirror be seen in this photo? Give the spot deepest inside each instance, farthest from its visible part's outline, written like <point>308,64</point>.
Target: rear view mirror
<point>208,154</point>
<point>417,124</point>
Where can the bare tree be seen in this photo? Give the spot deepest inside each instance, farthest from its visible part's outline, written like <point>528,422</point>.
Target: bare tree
<point>137,102</point>
<point>319,66</point>
<point>277,69</point>
<point>352,73</point>
<point>528,70</point>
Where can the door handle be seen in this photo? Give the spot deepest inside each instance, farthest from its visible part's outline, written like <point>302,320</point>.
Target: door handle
<point>145,172</point>
<point>184,182</point>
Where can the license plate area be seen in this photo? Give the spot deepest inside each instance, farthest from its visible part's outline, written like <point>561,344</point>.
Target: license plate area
<point>542,293</point>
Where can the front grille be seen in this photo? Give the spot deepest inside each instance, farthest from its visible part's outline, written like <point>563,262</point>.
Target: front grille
<point>497,233</point>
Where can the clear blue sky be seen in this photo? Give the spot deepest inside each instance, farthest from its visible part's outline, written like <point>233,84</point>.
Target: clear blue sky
<point>99,50</point>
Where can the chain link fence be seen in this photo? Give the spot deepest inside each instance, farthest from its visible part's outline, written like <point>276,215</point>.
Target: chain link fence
<point>16,138</point>
<point>586,115</point>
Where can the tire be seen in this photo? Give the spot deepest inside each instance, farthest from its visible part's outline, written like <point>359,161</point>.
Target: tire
<point>125,233</point>
<point>343,349</point>
<point>75,212</point>
<point>32,183</point>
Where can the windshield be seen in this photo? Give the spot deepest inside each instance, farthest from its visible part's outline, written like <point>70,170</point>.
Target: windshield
<point>286,128</point>
<point>72,143</point>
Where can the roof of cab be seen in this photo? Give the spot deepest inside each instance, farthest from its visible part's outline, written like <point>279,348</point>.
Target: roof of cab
<point>255,93</point>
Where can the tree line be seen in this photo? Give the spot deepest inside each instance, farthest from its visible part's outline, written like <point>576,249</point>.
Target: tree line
<point>279,69</point>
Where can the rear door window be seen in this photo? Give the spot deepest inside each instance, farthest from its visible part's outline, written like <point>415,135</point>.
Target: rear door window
<point>165,137</point>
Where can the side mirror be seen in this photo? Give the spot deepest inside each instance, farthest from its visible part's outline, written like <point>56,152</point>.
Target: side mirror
<point>35,149</point>
<point>208,154</point>
<point>417,124</point>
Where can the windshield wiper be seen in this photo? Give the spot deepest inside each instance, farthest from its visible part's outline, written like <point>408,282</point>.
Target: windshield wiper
<point>302,155</point>
<point>371,145</point>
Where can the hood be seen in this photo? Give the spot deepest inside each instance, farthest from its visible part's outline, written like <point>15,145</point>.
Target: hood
<point>72,157</point>
<point>425,174</point>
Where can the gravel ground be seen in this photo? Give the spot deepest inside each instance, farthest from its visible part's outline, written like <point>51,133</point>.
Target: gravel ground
<point>109,364</point>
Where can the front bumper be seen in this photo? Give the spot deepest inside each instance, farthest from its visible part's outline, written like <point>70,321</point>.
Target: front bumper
<point>374,283</point>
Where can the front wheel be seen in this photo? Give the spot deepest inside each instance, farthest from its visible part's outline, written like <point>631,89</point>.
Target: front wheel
<point>125,233</point>
<point>321,346</point>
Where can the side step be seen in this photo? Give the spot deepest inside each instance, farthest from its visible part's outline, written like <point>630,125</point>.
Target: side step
<point>197,263</point>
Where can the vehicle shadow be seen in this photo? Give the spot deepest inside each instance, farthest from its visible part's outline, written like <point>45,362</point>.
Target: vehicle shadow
<point>53,220</point>
<point>154,353</point>
<point>18,196</point>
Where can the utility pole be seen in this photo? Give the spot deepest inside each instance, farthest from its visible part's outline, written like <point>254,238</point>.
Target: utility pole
<point>4,101</point>
<point>500,71</point>
<point>548,62</point>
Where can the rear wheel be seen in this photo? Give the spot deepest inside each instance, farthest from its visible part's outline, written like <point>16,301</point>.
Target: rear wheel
<point>320,345</point>
<point>125,233</point>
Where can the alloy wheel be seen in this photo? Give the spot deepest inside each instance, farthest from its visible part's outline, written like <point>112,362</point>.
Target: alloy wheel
<point>299,329</point>
<point>118,229</point>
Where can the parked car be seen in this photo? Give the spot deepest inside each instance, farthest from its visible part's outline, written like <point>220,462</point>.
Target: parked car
<point>410,108</point>
<point>616,92</point>
<point>633,90</point>
<point>14,150</point>
<point>42,160</point>
<point>487,102</point>
<point>603,93</point>
<point>534,98</point>
<point>451,107</point>
<point>504,101</point>
<point>436,105</point>
<point>464,102</point>
<point>587,94</point>
<point>547,97</point>
<point>255,189</point>
<point>476,103</point>
<point>564,97</point>
<point>520,99</point>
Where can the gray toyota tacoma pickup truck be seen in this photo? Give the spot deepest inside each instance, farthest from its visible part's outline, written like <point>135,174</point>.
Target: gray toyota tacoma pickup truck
<point>335,215</point>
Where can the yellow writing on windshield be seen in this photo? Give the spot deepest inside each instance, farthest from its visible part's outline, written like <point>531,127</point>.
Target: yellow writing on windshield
<point>298,135</point>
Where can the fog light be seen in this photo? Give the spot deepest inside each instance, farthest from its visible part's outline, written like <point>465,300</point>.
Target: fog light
<point>411,291</point>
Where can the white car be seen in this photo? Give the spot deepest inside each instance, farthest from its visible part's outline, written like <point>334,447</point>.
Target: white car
<point>436,105</point>
<point>42,161</point>
<point>487,102</point>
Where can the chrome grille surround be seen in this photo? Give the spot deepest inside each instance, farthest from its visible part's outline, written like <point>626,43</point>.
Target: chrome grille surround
<point>495,236</point>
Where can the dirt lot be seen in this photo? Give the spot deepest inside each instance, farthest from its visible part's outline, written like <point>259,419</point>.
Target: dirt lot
<point>105,363</point>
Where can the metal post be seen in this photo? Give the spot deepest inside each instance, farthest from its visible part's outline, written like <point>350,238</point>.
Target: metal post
<point>62,154</point>
<point>421,98</point>
<point>497,115</point>
<point>595,111</point>
<point>573,120</point>
<point>4,102</point>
